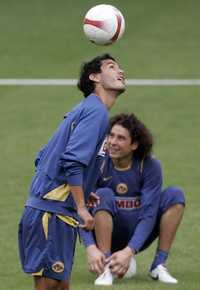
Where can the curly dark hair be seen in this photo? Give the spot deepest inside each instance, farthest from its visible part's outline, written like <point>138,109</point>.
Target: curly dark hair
<point>138,131</point>
<point>94,66</point>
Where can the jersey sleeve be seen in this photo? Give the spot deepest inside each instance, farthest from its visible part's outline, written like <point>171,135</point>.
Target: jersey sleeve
<point>150,199</point>
<point>86,237</point>
<point>81,147</point>
<point>39,155</point>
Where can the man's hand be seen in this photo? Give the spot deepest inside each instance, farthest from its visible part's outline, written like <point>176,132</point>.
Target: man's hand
<point>96,259</point>
<point>119,261</point>
<point>87,219</point>
<point>78,196</point>
<point>93,200</point>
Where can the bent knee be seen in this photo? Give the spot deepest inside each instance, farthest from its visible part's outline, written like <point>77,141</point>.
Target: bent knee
<point>174,195</point>
<point>107,201</point>
<point>105,193</point>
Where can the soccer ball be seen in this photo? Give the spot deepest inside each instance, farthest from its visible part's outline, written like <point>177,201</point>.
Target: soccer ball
<point>104,24</point>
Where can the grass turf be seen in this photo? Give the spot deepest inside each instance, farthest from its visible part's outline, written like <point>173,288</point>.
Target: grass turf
<point>29,117</point>
<point>44,39</point>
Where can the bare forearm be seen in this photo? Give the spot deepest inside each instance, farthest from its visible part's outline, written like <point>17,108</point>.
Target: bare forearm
<point>78,196</point>
<point>87,221</point>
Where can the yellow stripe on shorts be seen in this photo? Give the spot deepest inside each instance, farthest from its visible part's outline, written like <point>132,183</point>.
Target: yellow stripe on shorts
<point>45,223</point>
<point>68,220</point>
<point>38,273</point>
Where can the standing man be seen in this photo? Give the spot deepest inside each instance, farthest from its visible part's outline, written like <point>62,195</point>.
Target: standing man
<point>132,210</point>
<point>66,170</point>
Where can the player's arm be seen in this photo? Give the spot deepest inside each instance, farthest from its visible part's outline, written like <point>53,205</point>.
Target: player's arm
<point>86,136</point>
<point>74,174</point>
<point>78,196</point>
<point>96,259</point>
<point>78,153</point>
<point>150,199</point>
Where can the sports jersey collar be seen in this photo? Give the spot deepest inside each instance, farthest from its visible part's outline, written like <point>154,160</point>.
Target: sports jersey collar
<point>97,98</point>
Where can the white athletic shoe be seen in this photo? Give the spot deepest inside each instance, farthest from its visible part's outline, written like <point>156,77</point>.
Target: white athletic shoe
<point>132,269</point>
<point>161,273</point>
<point>106,278</point>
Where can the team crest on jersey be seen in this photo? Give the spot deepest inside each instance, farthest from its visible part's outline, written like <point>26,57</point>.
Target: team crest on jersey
<point>121,188</point>
<point>58,267</point>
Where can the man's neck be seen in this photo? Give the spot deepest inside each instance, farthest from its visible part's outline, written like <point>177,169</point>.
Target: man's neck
<point>108,98</point>
<point>123,163</point>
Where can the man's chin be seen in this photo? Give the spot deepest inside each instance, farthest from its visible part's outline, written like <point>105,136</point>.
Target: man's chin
<point>113,156</point>
<point>121,90</point>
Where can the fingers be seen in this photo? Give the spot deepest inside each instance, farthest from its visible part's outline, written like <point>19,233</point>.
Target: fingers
<point>117,266</point>
<point>91,204</point>
<point>88,220</point>
<point>97,266</point>
<point>93,200</point>
<point>108,260</point>
<point>118,269</point>
<point>111,259</point>
<point>89,226</point>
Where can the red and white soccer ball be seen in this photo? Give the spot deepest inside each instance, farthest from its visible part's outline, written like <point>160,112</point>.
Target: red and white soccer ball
<point>104,24</point>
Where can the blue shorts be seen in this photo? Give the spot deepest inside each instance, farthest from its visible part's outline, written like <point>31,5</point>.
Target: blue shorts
<point>46,244</point>
<point>125,221</point>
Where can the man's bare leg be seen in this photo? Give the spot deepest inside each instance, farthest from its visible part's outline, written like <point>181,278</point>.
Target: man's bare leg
<point>43,283</point>
<point>103,230</point>
<point>169,224</point>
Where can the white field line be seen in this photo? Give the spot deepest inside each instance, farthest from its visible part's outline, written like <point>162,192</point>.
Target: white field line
<point>72,82</point>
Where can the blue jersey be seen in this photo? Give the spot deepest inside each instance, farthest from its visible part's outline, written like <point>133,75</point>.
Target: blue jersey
<point>70,157</point>
<point>137,195</point>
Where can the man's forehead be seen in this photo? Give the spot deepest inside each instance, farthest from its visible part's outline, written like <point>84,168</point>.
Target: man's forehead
<point>109,61</point>
<point>119,130</point>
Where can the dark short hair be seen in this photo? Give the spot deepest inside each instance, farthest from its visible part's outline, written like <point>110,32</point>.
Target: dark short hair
<point>94,66</point>
<point>138,131</point>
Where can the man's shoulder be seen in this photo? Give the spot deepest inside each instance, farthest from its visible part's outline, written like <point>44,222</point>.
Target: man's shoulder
<point>151,162</point>
<point>152,159</point>
<point>94,110</point>
<point>93,103</point>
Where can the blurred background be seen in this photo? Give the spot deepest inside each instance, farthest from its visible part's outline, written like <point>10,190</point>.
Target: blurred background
<point>44,39</point>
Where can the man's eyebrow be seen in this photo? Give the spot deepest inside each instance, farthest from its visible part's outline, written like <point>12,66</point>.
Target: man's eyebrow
<point>116,134</point>
<point>110,62</point>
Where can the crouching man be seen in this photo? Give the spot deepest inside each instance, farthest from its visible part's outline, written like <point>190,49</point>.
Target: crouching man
<point>132,210</point>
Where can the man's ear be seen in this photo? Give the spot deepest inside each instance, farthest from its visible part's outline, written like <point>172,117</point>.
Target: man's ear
<point>94,77</point>
<point>134,146</point>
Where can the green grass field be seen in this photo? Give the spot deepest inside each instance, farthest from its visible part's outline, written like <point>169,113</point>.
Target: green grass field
<point>44,39</point>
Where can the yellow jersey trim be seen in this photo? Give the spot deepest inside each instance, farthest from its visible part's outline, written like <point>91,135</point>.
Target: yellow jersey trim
<point>59,193</point>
